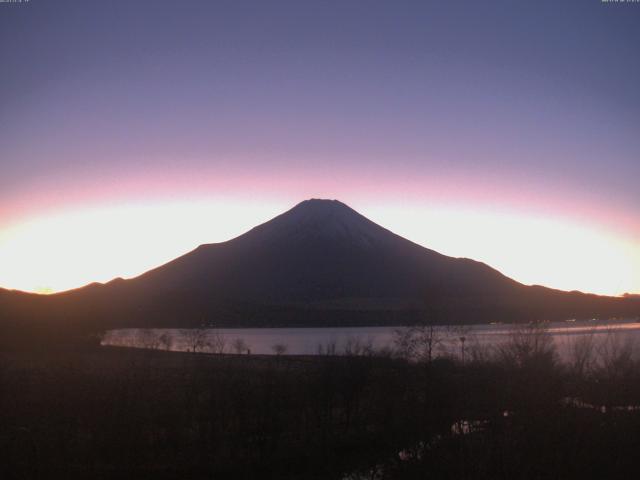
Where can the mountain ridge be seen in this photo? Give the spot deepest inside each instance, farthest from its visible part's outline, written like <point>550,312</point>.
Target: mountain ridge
<point>320,263</point>
<point>320,242</point>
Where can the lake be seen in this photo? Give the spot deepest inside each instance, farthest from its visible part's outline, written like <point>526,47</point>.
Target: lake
<point>452,341</point>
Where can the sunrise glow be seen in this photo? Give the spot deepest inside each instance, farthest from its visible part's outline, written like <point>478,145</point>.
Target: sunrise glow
<point>131,137</point>
<point>74,248</point>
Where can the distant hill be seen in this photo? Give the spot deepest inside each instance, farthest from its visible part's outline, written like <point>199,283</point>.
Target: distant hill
<point>320,263</point>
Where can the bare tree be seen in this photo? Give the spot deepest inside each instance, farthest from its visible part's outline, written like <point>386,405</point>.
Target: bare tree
<point>196,339</point>
<point>581,353</point>
<point>405,342</point>
<point>217,342</point>
<point>148,339</point>
<point>477,351</point>
<point>166,341</point>
<point>418,342</point>
<point>329,349</point>
<point>429,338</point>
<point>239,346</point>
<point>615,353</point>
<point>355,347</point>
<point>527,345</point>
<point>279,349</point>
<point>616,369</point>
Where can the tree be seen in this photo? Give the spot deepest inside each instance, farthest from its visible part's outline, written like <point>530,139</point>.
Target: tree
<point>418,342</point>
<point>166,341</point>
<point>355,347</point>
<point>217,342</point>
<point>196,339</point>
<point>328,349</point>
<point>148,339</point>
<point>279,349</point>
<point>581,350</point>
<point>529,345</point>
<point>239,346</point>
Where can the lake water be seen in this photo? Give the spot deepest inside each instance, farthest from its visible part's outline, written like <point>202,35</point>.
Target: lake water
<point>357,340</point>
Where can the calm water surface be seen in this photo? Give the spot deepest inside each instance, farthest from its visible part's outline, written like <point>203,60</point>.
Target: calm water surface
<point>311,341</point>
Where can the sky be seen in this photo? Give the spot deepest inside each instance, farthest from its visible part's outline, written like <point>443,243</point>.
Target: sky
<point>504,131</point>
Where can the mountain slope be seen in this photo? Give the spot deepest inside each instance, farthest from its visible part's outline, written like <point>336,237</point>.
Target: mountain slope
<point>320,263</point>
<point>322,250</point>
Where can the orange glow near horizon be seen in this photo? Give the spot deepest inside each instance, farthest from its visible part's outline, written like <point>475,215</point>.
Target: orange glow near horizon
<point>69,250</point>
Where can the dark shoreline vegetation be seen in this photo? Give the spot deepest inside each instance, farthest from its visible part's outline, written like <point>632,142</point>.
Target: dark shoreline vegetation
<point>516,412</point>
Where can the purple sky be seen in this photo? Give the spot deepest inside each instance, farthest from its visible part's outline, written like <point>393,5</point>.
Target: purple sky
<point>530,104</point>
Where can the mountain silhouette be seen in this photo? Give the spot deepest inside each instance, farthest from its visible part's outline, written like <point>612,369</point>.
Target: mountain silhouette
<point>320,263</point>
<point>322,251</point>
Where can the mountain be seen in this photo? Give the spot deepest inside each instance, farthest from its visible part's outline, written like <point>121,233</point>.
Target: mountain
<point>322,251</point>
<point>320,263</point>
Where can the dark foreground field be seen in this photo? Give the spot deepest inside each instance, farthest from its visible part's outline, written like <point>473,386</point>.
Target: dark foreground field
<point>116,413</point>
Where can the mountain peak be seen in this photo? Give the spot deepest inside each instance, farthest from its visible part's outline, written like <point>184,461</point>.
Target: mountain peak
<point>317,219</point>
<point>320,205</point>
<point>320,201</point>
